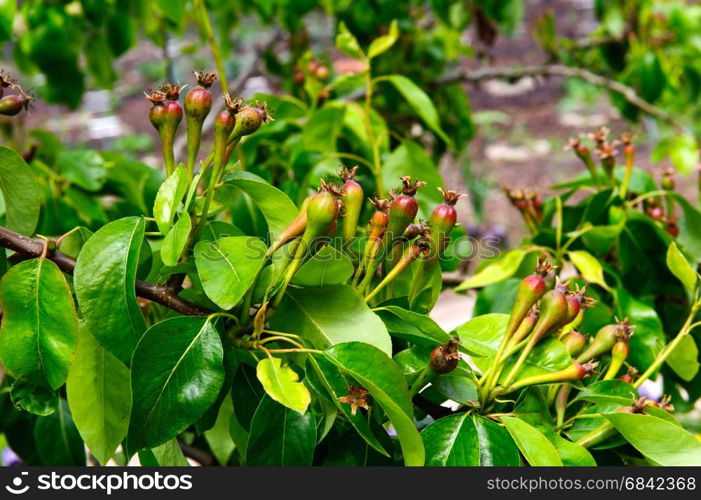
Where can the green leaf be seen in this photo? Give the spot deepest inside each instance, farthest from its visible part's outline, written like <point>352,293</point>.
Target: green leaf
<point>168,198</point>
<point>589,267</point>
<point>57,439</point>
<point>39,325</point>
<point>174,10</point>
<point>176,239</point>
<point>572,454</point>
<point>330,316</point>
<point>677,263</point>
<point>282,384</point>
<point>176,374</point>
<point>383,379</point>
<point>218,437</point>
<point>21,192</point>
<point>276,206</point>
<point>458,385</point>
<point>84,168</point>
<point>649,336</point>
<point>280,436</point>
<point>661,442</point>
<point>99,397</point>
<point>104,280</point>
<point>327,267</point>
<point>483,335</point>
<point>452,441</point>
<point>500,270</point>
<point>496,446</point>
<point>684,358</point>
<point>384,43</point>
<point>227,267</point>
<point>689,226</point>
<point>326,378</point>
<point>411,159</point>
<point>36,399</point>
<point>347,43</point>
<point>168,454</point>
<point>412,326</point>
<point>420,102</point>
<point>608,391</point>
<point>537,449</point>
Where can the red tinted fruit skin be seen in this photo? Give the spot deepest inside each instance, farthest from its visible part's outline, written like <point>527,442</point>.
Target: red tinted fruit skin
<point>531,289</point>
<point>11,105</point>
<point>198,104</point>
<point>224,124</point>
<point>248,120</point>
<point>626,378</point>
<point>321,212</point>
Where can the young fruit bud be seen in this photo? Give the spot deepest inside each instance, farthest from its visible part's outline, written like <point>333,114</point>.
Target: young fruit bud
<point>11,105</point>
<point>574,342</point>
<point>583,153</point>
<point>573,372</point>
<point>403,208</point>
<point>165,115</point>
<point>322,210</point>
<point>531,289</point>
<point>378,225</point>
<point>444,358</point>
<point>443,219</point>
<point>553,310</point>
<point>224,124</point>
<point>353,201</point>
<point>294,229</point>
<point>667,182</point>
<point>525,328</point>
<point>198,104</point>
<point>604,340</point>
<point>249,119</point>
<point>619,353</point>
<point>630,376</point>
<point>419,248</point>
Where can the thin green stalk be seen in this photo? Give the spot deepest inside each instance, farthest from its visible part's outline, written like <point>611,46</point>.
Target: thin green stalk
<point>213,45</point>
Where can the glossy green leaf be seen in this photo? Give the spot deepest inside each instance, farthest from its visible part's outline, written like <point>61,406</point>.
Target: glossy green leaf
<point>39,326</point>
<point>452,441</point>
<point>168,454</point>
<point>327,267</point>
<point>483,335</point>
<point>104,280</point>
<point>169,197</point>
<point>218,437</point>
<point>330,316</point>
<point>677,263</point>
<point>537,449</point>
<point>21,192</point>
<point>684,359</point>
<point>280,436</point>
<point>689,226</point>
<point>497,448</point>
<point>176,374</point>
<point>84,168</point>
<point>495,272</point>
<point>377,373</point>
<point>661,442</point>
<point>326,378</point>
<point>176,239</point>
<point>412,326</point>
<point>420,102</point>
<point>384,43</point>
<point>649,336</point>
<point>36,399</point>
<point>282,384</point>
<point>99,397</point>
<point>589,267</point>
<point>608,391</point>
<point>458,385</point>
<point>227,267</point>
<point>58,441</point>
<point>276,206</point>
<point>572,454</point>
<point>347,43</point>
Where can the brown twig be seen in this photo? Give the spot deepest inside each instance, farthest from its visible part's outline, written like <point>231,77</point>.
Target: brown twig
<point>161,294</point>
<point>517,72</point>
